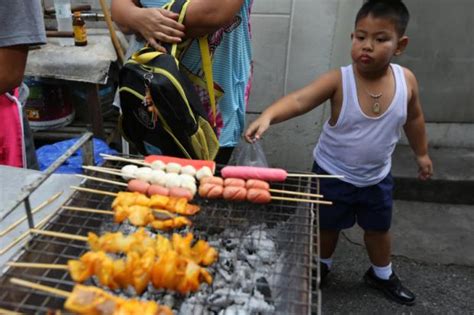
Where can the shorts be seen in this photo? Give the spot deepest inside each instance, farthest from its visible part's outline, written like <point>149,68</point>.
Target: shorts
<point>370,207</point>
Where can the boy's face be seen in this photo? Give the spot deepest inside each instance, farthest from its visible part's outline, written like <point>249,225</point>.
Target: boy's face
<point>374,42</point>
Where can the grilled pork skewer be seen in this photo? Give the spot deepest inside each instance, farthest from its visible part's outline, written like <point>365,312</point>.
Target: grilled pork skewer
<point>91,300</point>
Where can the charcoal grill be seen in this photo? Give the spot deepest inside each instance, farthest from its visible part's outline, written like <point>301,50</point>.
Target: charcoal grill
<point>265,264</point>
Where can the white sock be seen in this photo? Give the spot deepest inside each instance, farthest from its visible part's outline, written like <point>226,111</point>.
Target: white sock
<point>383,272</point>
<point>326,261</point>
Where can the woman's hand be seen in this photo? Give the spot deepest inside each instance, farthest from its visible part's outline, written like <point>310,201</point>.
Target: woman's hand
<point>157,25</point>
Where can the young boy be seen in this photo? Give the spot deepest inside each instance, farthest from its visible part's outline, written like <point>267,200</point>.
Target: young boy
<point>371,100</point>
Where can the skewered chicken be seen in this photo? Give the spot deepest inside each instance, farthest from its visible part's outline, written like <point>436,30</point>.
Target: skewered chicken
<point>170,271</point>
<point>201,252</point>
<point>91,300</point>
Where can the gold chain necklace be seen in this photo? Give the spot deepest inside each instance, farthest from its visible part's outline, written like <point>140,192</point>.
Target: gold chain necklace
<point>376,104</point>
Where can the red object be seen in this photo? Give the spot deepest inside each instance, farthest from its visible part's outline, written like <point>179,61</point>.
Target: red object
<point>236,182</point>
<point>255,195</point>
<point>251,172</point>
<point>11,133</point>
<point>234,193</point>
<point>197,164</point>
<point>179,192</point>
<point>257,183</point>
<point>158,190</point>
<point>138,186</point>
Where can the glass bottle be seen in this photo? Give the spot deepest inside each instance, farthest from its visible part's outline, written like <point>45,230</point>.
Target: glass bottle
<point>79,26</point>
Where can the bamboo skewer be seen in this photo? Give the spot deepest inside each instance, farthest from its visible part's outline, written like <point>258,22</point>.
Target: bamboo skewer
<point>323,202</point>
<point>109,171</point>
<point>40,287</point>
<point>98,179</point>
<point>22,236</point>
<point>60,235</point>
<point>37,265</point>
<point>38,208</point>
<point>161,212</point>
<point>141,162</point>
<point>8,312</point>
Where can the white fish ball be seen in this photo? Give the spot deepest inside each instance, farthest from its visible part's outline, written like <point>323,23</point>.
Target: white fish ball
<point>158,177</point>
<point>128,171</point>
<point>191,186</point>
<point>143,173</point>
<point>158,165</point>
<point>187,177</point>
<point>172,180</point>
<point>203,172</point>
<point>173,168</point>
<point>188,169</point>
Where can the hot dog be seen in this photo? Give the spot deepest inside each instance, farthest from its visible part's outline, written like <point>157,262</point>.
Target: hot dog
<point>251,172</point>
<point>181,193</point>
<point>211,191</point>
<point>236,182</point>
<point>256,183</point>
<point>138,186</point>
<point>256,195</point>
<point>212,180</point>
<point>234,193</point>
<point>157,190</point>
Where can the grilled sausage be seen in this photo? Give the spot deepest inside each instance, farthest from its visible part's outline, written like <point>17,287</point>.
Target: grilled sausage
<point>157,190</point>
<point>234,193</point>
<point>138,186</point>
<point>251,172</point>
<point>256,195</point>
<point>181,193</point>
<point>257,183</point>
<point>211,191</point>
<point>212,180</point>
<point>236,182</point>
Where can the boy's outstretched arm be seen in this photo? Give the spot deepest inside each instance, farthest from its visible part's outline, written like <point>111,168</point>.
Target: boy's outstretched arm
<point>415,130</point>
<point>295,104</point>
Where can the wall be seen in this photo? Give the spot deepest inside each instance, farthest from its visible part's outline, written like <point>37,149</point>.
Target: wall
<point>296,40</point>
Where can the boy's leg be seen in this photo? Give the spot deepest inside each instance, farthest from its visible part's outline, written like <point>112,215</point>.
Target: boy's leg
<point>374,216</point>
<point>328,242</point>
<point>379,247</point>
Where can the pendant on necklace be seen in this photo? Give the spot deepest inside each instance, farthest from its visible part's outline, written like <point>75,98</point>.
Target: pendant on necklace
<point>376,108</point>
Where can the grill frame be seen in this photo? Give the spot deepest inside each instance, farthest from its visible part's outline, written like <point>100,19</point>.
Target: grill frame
<point>301,217</point>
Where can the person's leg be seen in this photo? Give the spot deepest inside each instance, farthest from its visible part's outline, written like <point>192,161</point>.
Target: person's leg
<point>378,244</point>
<point>374,216</point>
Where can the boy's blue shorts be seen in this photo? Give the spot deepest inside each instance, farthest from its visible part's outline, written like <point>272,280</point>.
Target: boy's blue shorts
<point>370,206</point>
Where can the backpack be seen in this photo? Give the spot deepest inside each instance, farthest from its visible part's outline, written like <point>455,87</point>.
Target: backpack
<point>160,106</point>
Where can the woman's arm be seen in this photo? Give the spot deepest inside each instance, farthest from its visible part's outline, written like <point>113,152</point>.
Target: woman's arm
<point>206,16</point>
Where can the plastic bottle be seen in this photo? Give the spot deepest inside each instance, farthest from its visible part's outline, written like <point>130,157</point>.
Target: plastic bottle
<point>64,19</point>
<point>79,26</point>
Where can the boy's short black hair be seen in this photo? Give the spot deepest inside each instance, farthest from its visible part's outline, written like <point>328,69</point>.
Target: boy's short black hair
<point>392,9</point>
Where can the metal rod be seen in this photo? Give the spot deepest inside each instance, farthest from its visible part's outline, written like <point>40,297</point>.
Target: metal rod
<point>29,214</point>
<point>28,190</point>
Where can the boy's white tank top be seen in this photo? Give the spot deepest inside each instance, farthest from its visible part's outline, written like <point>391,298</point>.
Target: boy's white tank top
<point>360,147</point>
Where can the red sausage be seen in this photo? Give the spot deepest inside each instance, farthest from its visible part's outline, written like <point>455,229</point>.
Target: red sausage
<point>213,180</point>
<point>251,172</point>
<point>181,193</point>
<point>138,186</point>
<point>211,191</point>
<point>236,182</point>
<point>157,190</point>
<point>257,183</point>
<point>234,193</point>
<point>256,195</point>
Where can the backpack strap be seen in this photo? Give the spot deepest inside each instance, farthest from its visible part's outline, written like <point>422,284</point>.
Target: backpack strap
<point>180,6</point>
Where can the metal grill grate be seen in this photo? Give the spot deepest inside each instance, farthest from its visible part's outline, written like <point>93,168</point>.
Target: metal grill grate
<point>265,255</point>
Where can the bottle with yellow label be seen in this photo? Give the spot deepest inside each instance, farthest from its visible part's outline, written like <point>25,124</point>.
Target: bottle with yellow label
<point>79,27</point>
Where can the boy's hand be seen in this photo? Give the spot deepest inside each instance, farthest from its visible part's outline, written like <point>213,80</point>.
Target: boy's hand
<point>425,167</point>
<point>256,129</point>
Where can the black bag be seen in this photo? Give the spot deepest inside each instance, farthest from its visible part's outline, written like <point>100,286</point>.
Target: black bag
<point>160,106</point>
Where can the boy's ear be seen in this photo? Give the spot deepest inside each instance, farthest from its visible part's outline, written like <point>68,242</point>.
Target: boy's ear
<point>402,44</point>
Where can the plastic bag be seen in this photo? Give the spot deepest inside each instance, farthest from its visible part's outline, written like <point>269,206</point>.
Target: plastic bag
<point>48,154</point>
<point>250,154</point>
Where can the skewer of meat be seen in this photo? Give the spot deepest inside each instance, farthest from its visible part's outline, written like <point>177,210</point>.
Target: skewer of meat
<point>265,173</point>
<point>91,300</point>
<point>168,270</point>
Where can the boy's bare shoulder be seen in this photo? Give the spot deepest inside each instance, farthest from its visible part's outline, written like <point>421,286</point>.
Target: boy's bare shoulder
<point>410,76</point>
